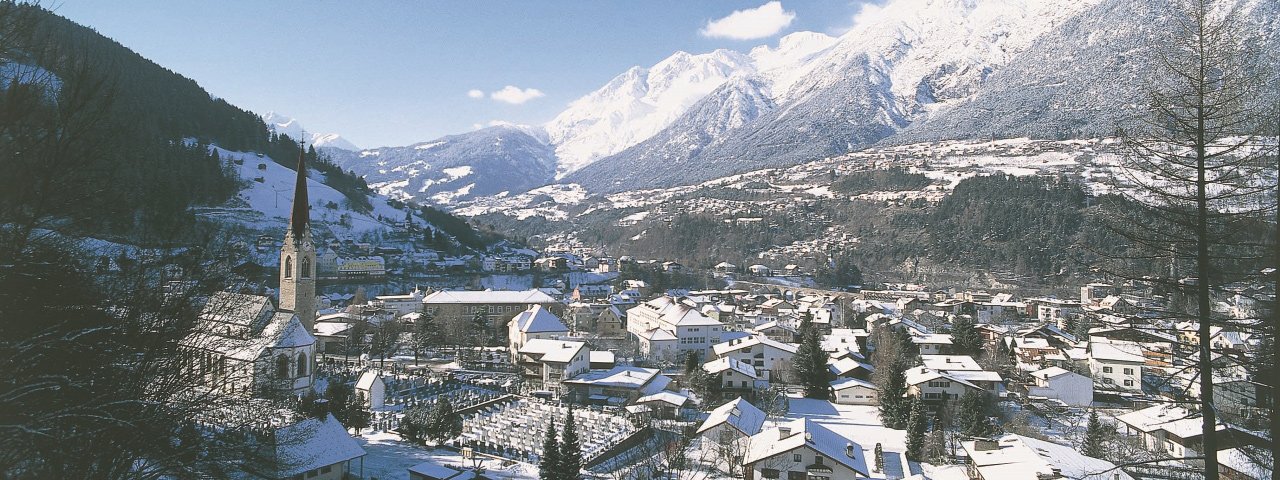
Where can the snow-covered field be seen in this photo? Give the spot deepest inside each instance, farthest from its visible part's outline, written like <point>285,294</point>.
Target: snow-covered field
<point>389,458</point>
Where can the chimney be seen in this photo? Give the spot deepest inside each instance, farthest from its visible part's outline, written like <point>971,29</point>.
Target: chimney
<point>784,432</point>
<point>848,449</point>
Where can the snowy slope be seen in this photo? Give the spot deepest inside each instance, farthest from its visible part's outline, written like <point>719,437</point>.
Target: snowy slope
<point>266,204</point>
<point>286,125</point>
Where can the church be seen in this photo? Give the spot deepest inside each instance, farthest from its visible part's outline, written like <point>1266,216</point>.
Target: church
<point>243,344</point>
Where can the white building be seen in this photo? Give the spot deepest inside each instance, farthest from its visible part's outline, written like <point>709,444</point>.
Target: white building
<point>727,430</point>
<point>692,331</point>
<point>1060,384</point>
<point>805,449</point>
<point>852,391</point>
<point>546,363</point>
<point>373,386</point>
<point>771,359</point>
<point>400,304</point>
<point>934,386</point>
<point>735,377</point>
<point>532,324</point>
<point>1116,366</point>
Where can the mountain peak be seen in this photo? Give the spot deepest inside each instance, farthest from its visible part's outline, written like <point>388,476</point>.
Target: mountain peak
<point>286,125</point>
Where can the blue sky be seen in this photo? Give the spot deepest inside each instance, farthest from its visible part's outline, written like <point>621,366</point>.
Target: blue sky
<point>398,72</point>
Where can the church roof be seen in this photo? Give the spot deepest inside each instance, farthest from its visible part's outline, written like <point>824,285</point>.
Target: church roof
<point>244,327</point>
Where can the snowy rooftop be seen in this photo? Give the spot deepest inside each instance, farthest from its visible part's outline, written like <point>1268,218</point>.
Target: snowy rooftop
<point>806,432</point>
<point>1015,457</point>
<point>1170,418</point>
<point>845,365</point>
<point>739,414</point>
<point>950,362</point>
<point>488,296</point>
<point>558,351</point>
<point>539,320</point>
<point>314,443</point>
<point>367,378</point>
<point>620,376</point>
<point>748,342</point>
<point>670,398</point>
<point>843,383</point>
<point>721,364</point>
<point>931,339</point>
<point>1113,352</point>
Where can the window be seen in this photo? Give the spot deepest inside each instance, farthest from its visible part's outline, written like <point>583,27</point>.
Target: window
<point>818,460</point>
<point>795,457</point>
<point>769,473</point>
<point>797,476</point>
<point>282,366</point>
<point>1128,371</point>
<point>306,267</point>
<point>1128,383</point>
<point>312,474</point>
<point>932,396</point>
<point>302,364</point>
<point>1106,369</point>
<point>288,267</point>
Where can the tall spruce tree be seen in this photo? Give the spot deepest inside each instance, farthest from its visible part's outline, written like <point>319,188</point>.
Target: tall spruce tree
<point>1095,438</point>
<point>570,467</point>
<point>549,463</point>
<point>916,424</point>
<point>809,362</point>
<point>965,337</point>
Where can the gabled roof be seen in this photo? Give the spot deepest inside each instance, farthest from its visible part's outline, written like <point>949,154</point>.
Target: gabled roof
<point>246,327</point>
<point>675,312</point>
<point>1050,372</point>
<point>950,362</point>
<point>738,344</point>
<point>1014,457</point>
<point>671,398</point>
<point>737,413</point>
<point>623,376</point>
<point>488,296</point>
<point>367,378</point>
<point>313,443</point>
<point>843,383</point>
<point>557,351</point>
<point>1112,352</point>
<point>539,320</point>
<point>919,375</point>
<point>846,365</point>
<point>805,432</point>
<point>721,364</point>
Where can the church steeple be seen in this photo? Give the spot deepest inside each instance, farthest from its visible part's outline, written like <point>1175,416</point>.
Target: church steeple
<point>298,254</point>
<point>300,219</point>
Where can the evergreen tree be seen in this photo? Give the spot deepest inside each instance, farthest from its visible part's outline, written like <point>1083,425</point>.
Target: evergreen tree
<point>691,363</point>
<point>570,467</point>
<point>358,416</point>
<point>549,463</point>
<point>337,397</point>
<point>916,425</point>
<point>1095,438</point>
<point>965,339</point>
<point>425,335</point>
<point>894,405</point>
<point>809,364</point>
<point>443,422</point>
<point>971,415</point>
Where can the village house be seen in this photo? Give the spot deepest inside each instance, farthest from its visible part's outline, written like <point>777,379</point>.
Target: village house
<point>532,324</point>
<point>854,391</point>
<point>373,387</point>
<point>803,448</point>
<point>726,433</point>
<point>1063,385</point>
<point>620,385</point>
<point>933,387</point>
<point>1116,367</point>
<point>771,359</point>
<point>736,378</point>
<point>545,363</point>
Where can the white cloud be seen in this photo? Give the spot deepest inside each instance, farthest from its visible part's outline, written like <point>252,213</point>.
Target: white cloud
<point>752,23</point>
<point>515,95</point>
<point>475,93</point>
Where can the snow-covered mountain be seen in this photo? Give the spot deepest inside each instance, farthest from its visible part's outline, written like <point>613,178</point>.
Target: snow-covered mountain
<point>899,63</point>
<point>286,125</point>
<point>641,102</point>
<point>491,161</point>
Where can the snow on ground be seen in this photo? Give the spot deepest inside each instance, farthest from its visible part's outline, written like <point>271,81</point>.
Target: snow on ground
<point>266,204</point>
<point>389,458</point>
<point>543,201</point>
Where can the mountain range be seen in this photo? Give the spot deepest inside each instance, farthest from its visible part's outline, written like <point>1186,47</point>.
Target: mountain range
<point>908,71</point>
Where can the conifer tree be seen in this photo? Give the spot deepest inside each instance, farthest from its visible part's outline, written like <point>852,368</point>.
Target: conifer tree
<point>965,338</point>
<point>809,362</point>
<point>1094,438</point>
<point>916,424</point>
<point>971,415</point>
<point>570,450</point>
<point>549,464</point>
<point>894,406</point>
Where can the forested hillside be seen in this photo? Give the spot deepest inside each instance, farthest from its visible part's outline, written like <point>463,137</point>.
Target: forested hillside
<point>98,139</point>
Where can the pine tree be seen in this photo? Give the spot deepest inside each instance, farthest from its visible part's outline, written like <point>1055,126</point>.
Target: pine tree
<point>549,464</point>
<point>690,362</point>
<point>971,415</point>
<point>1095,437</point>
<point>357,415</point>
<point>893,402</point>
<point>570,467</point>
<point>916,424</point>
<point>443,422</point>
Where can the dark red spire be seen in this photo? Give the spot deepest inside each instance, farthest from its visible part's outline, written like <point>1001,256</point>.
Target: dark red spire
<point>301,208</point>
